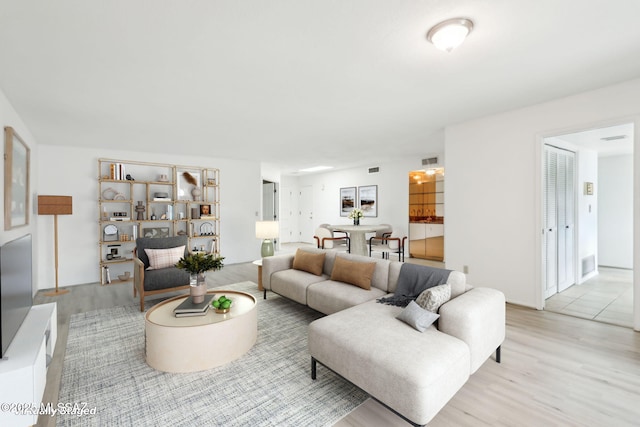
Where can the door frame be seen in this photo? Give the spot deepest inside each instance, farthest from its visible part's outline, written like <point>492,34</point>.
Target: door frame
<point>539,166</point>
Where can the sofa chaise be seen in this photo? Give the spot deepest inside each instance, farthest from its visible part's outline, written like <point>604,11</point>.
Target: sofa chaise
<point>412,372</point>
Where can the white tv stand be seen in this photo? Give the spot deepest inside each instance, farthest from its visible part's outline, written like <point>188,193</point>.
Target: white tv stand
<point>23,369</point>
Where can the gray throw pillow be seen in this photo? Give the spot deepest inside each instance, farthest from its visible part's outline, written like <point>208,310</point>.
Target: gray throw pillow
<point>417,317</point>
<point>431,299</point>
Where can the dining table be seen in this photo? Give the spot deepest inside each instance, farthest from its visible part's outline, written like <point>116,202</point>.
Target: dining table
<point>357,235</point>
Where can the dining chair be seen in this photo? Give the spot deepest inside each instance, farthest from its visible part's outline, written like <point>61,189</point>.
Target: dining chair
<point>325,240</point>
<point>388,244</point>
<point>334,233</point>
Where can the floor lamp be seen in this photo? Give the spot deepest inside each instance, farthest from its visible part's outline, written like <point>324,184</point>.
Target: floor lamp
<point>55,205</point>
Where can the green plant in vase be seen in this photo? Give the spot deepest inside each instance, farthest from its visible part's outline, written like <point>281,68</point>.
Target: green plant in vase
<point>355,215</point>
<point>197,264</point>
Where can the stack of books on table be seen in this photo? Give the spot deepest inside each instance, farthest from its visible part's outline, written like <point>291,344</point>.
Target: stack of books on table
<point>187,308</point>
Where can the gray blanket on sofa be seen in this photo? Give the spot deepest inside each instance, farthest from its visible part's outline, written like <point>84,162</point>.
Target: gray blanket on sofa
<point>413,280</point>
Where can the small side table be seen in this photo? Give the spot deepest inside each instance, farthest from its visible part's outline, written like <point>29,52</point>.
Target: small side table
<point>259,264</point>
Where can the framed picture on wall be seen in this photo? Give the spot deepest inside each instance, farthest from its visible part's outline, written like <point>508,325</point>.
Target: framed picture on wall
<point>347,200</point>
<point>16,180</point>
<point>368,200</point>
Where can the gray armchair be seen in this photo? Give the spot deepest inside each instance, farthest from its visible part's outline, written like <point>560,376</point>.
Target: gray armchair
<point>149,282</point>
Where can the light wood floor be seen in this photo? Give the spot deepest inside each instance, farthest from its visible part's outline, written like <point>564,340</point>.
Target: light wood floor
<point>556,370</point>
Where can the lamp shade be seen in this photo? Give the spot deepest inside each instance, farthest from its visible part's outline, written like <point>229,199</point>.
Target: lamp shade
<point>267,229</point>
<point>55,205</point>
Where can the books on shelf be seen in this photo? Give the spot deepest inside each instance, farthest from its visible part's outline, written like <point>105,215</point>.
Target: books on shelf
<point>161,199</point>
<point>117,171</point>
<point>188,308</point>
<point>119,218</point>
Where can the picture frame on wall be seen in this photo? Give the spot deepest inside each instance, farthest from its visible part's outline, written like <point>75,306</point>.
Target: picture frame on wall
<point>16,180</point>
<point>368,200</point>
<point>347,200</point>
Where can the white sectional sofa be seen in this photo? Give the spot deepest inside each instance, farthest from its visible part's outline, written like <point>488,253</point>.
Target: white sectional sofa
<point>411,372</point>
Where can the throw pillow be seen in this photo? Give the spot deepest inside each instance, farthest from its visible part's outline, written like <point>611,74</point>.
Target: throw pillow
<point>309,262</point>
<point>163,258</point>
<point>431,299</point>
<point>353,272</point>
<point>417,317</point>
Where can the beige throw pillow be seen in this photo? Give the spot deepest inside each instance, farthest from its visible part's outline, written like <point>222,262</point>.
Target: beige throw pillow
<point>353,272</point>
<point>163,258</point>
<point>309,262</point>
<point>431,299</point>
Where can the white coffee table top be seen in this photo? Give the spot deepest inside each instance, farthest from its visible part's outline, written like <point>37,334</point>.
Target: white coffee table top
<point>162,314</point>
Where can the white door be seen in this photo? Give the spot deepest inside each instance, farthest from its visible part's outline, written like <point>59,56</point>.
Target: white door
<point>566,193</point>
<point>305,222</point>
<point>287,219</point>
<point>558,209</point>
<point>269,201</point>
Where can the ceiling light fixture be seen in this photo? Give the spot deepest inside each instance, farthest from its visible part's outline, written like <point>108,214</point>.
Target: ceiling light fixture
<point>450,34</point>
<point>316,169</point>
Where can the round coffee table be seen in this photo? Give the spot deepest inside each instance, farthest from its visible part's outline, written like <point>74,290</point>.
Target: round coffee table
<point>197,343</point>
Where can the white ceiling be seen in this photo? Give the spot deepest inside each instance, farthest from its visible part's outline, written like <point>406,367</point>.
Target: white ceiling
<point>297,83</point>
<point>596,139</point>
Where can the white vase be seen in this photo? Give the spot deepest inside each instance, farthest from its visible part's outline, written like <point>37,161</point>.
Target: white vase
<point>197,287</point>
<point>196,193</point>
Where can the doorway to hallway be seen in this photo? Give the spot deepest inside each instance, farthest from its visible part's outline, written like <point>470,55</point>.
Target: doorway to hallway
<point>604,226</point>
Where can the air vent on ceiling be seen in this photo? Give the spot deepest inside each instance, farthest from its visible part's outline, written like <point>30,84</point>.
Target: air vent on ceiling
<point>374,170</point>
<point>613,138</point>
<point>431,161</point>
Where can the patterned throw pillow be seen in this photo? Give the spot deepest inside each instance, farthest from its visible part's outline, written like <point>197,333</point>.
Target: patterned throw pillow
<point>431,299</point>
<point>417,317</point>
<point>163,258</point>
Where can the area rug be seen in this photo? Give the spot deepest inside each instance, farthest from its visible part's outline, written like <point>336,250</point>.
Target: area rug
<point>105,368</point>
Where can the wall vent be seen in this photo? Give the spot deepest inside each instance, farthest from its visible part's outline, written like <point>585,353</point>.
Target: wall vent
<point>613,138</point>
<point>374,170</point>
<point>588,264</point>
<point>431,161</point>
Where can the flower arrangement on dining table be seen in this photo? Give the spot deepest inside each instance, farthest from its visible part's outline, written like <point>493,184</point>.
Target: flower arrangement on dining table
<point>355,215</point>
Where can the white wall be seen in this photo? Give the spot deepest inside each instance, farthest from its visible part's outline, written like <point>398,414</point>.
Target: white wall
<point>393,192</point>
<point>493,197</point>
<point>615,219</point>
<point>73,171</point>
<point>9,117</point>
<point>587,210</point>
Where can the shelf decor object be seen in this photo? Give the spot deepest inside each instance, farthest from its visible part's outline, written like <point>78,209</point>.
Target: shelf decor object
<point>16,180</point>
<point>267,230</point>
<point>55,205</point>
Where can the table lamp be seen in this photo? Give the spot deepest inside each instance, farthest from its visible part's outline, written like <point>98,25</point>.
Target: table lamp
<point>55,205</point>
<point>267,230</point>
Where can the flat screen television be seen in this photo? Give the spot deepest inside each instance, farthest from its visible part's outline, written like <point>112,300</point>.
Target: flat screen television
<point>16,294</point>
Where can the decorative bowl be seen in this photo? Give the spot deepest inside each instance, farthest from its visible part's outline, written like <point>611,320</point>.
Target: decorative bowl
<point>124,276</point>
<point>222,304</point>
